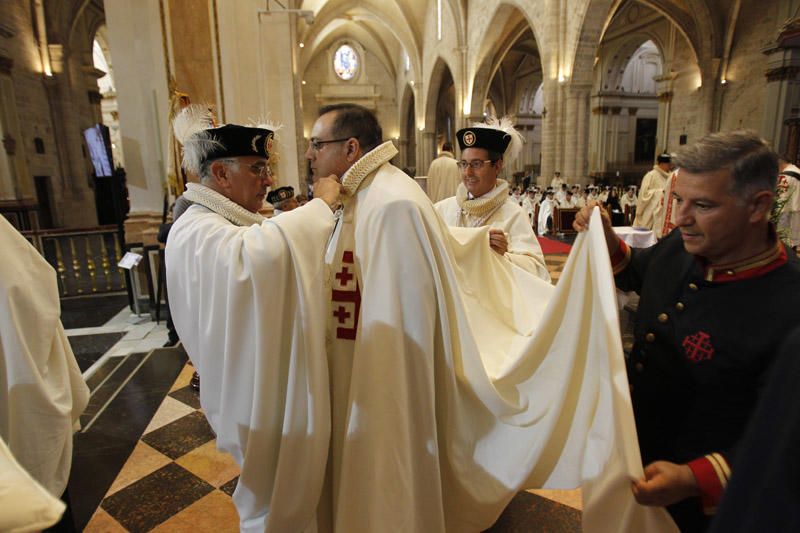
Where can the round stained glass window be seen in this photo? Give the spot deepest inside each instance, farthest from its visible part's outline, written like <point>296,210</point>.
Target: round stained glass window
<point>345,62</point>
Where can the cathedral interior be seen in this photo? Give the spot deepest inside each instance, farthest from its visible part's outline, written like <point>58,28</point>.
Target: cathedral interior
<point>89,166</point>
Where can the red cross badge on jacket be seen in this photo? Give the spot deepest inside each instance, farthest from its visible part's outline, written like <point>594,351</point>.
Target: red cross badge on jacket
<point>346,298</point>
<point>698,347</point>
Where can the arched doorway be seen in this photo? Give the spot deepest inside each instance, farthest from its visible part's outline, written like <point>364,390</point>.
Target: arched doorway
<point>514,79</point>
<point>628,118</point>
<point>408,139</point>
<point>445,110</point>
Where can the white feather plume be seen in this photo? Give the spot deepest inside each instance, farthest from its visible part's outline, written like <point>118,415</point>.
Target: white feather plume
<point>264,123</point>
<point>191,127</point>
<point>506,125</point>
<point>192,119</point>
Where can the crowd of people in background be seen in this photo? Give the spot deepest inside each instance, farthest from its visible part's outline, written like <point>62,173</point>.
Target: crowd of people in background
<point>540,202</point>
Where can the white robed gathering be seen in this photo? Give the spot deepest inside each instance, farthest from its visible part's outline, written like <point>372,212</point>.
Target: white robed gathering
<point>447,378</point>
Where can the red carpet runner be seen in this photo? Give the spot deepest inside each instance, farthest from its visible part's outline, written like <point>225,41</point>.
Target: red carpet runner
<point>550,246</point>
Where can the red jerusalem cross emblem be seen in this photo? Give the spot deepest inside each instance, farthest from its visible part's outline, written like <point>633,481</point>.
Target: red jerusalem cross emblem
<point>469,138</point>
<point>346,298</point>
<point>698,347</point>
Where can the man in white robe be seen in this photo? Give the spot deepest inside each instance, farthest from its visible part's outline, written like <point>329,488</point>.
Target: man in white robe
<point>42,392</point>
<point>557,181</point>
<point>789,196</point>
<point>443,175</point>
<point>529,204</point>
<point>568,202</point>
<point>628,204</point>
<point>546,209</point>
<point>651,192</point>
<point>482,198</point>
<point>561,193</point>
<point>247,295</point>
<point>444,401</point>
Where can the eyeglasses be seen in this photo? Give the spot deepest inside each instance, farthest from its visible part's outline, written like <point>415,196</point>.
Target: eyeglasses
<point>261,170</point>
<point>317,145</point>
<point>475,164</point>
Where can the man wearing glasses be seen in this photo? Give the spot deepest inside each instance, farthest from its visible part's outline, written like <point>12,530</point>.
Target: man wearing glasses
<point>482,198</point>
<point>247,299</point>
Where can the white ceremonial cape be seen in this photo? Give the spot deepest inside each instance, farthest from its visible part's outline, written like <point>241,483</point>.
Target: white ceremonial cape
<point>42,392</point>
<point>529,207</point>
<point>249,305</point>
<point>650,194</point>
<point>444,177</point>
<point>457,378</point>
<point>523,247</point>
<point>545,212</point>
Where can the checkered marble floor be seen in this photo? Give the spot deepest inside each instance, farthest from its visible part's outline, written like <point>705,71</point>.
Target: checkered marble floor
<point>175,480</point>
<point>555,265</point>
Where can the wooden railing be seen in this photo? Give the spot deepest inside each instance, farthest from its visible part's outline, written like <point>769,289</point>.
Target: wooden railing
<point>85,259</point>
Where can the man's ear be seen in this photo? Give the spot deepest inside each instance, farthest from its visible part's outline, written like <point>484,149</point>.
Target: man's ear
<point>354,152</point>
<point>761,205</point>
<point>220,173</point>
<point>499,165</point>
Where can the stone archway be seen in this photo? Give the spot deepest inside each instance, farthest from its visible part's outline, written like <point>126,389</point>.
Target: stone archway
<point>408,130</point>
<point>441,77</point>
<point>445,125</point>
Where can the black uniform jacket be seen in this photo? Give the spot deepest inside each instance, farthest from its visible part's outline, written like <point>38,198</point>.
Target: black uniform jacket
<point>704,340</point>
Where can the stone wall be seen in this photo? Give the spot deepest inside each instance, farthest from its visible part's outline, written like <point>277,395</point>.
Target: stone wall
<point>318,79</point>
<point>32,109</point>
<point>687,102</point>
<point>743,95</point>
<point>52,110</point>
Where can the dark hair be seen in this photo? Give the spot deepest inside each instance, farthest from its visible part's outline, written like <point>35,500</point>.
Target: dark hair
<point>353,120</point>
<point>447,147</point>
<point>752,163</point>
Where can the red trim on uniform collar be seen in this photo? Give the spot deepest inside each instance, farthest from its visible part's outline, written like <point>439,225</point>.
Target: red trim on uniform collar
<point>749,268</point>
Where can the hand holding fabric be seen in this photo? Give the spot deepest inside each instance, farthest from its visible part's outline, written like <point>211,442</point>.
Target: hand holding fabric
<point>498,241</point>
<point>581,223</point>
<point>665,483</point>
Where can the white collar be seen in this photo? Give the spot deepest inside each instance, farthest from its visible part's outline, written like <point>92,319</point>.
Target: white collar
<point>221,205</point>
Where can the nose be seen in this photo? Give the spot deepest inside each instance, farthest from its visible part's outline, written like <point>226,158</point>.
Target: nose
<point>309,153</point>
<point>683,214</point>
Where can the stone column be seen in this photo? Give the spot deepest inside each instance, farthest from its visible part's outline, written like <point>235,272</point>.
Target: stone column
<point>12,167</point>
<point>426,151</point>
<point>576,132</point>
<point>402,152</point>
<point>582,150</point>
<point>664,92</point>
<point>630,149</point>
<point>550,118</point>
<point>613,137</point>
<point>135,38</point>
<point>782,95</point>
<point>570,135</point>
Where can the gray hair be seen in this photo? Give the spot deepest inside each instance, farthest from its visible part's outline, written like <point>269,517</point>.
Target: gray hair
<point>205,168</point>
<point>751,161</point>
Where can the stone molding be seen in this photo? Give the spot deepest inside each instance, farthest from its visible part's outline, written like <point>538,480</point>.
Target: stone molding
<point>788,72</point>
<point>665,97</point>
